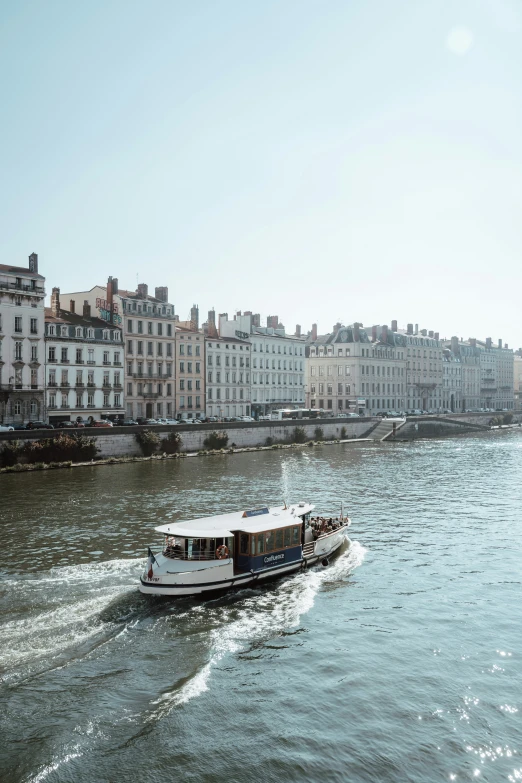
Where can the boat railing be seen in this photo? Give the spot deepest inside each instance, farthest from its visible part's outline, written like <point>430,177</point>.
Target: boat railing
<point>178,554</point>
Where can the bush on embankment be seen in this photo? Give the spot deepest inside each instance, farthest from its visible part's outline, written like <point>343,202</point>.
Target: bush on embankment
<point>216,440</point>
<point>172,443</point>
<point>64,448</point>
<point>148,441</point>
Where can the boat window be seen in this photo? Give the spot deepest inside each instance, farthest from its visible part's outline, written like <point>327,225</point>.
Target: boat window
<point>288,536</point>
<point>252,545</point>
<point>270,540</point>
<point>296,536</point>
<point>279,539</point>
<point>260,544</point>
<point>243,543</point>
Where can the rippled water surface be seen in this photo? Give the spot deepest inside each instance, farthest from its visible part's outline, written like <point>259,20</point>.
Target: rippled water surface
<point>401,661</point>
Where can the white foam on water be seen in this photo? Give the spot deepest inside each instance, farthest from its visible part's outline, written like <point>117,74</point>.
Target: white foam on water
<point>263,615</point>
<point>68,623</point>
<point>46,771</point>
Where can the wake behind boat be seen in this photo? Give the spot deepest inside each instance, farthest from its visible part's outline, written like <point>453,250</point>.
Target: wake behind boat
<point>241,548</point>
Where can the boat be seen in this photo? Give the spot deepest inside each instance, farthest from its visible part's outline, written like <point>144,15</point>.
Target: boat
<point>246,547</point>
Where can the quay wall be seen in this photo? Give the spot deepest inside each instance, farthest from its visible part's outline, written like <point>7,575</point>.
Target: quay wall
<point>121,441</point>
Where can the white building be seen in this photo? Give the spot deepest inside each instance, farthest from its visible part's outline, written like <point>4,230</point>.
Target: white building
<point>148,324</point>
<point>277,361</point>
<point>84,365</point>
<point>22,294</point>
<point>228,370</point>
<point>451,381</point>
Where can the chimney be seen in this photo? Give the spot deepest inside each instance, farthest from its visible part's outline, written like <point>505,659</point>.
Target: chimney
<point>194,318</point>
<point>473,342</point>
<point>506,345</point>
<point>114,285</point>
<point>256,319</point>
<point>298,330</point>
<point>337,326</point>
<point>314,332</point>
<point>430,334</point>
<point>86,309</point>
<point>356,334</point>
<point>409,329</point>
<point>436,335</point>
<point>247,312</point>
<point>55,302</point>
<point>488,342</point>
<point>33,263</point>
<point>416,328</point>
<point>211,324</point>
<point>500,343</point>
<point>424,332</point>
<point>142,290</point>
<point>374,334</point>
<point>384,333</point>
<point>110,298</point>
<point>394,326</point>
<point>272,321</point>
<point>162,293</point>
<point>455,344</point>
<point>72,307</point>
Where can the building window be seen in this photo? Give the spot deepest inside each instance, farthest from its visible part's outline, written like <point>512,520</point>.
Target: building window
<point>117,401</point>
<point>18,323</point>
<point>129,346</point>
<point>65,354</point>
<point>34,353</point>
<point>34,326</point>
<point>182,384</point>
<point>149,349</point>
<point>18,351</point>
<point>105,400</point>
<point>182,349</point>
<point>79,356</point>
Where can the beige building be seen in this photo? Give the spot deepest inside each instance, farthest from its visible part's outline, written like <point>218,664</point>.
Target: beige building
<point>190,372</point>
<point>517,382</point>
<point>148,324</point>
<point>356,369</point>
<point>424,369</point>
<point>451,381</point>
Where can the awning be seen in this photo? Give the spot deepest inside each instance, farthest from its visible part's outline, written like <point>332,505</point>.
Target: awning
<point>193,532</point>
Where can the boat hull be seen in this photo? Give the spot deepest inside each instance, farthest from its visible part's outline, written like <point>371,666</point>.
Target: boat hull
<point>222,578</point>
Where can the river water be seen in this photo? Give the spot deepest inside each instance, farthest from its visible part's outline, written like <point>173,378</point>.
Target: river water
<point>400,661</point>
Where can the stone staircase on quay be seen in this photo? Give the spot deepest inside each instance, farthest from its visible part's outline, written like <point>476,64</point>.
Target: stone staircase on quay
<point>384,429</point>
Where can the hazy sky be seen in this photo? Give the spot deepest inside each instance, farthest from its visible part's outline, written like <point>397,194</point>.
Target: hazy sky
<point>355,160</point>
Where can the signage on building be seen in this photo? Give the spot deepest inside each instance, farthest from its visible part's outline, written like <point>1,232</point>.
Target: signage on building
<point>242,335</point>
<point>102,304</point>
<point>361,403</point>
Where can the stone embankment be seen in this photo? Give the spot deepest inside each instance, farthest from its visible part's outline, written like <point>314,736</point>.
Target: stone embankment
<point>120,442</point>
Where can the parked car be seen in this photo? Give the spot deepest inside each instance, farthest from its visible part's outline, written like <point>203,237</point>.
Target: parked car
<point>126,423</point>
<point>18,426</point>
<point>212,418</point>
<point>143,421</point>
<point>102,423</point>
<point>6,428</point>
<point>39,425</point>
<point>353,415</point>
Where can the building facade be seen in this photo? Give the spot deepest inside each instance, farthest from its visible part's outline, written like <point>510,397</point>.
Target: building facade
<point>451,381</point>
<point>22,389</point>
<point>497,366</point>
<point>277,361</point>
<point>517,379</point>
<point>148,324</point>
<point>228,385</point>
<point>424,369</point>
<point>84,365</point>
<point>356,369</point>
<point>190,372</point>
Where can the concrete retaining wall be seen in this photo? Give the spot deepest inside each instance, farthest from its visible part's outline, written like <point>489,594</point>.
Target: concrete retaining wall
<point>121,441</point>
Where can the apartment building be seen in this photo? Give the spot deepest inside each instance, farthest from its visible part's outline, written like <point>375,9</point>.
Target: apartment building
<point>497,368</point>
<point>277,361</point>
<point>451,380</point>
<point>517,379</point>
<point>148,324</point>
<point>356,369</point>
<point>84,364</point>
<point>190,371</point>
<point>228,385</point>
<point>424,368</point>
<point>22,390</point>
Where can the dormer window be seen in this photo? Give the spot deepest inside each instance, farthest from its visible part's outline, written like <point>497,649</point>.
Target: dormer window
<point>64,331</point>
<point>51,330</point>
<point>90,333</point>
<point>79,331</point>
<point>105,334</point>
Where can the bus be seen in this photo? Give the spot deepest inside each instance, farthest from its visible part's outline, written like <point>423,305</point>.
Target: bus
<point>298,413</point>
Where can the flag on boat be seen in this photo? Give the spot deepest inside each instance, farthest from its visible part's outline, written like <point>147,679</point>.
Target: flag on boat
<point>152,560</point>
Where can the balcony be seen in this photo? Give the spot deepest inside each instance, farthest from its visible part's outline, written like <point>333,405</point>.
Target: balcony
<point>52,383</point>
<point>64,384</point>
<point>106,364</point>
<point>79,384</point>
<point>117,364</point>
<point>91,406</point>
<point>91,361</point>
<point>118,385</point>
<point>149,395</point>
<point>107,385</point>
<point>80,361</point>
<point>65,361</point>
<point>52,407</point>
<point>91,385</point>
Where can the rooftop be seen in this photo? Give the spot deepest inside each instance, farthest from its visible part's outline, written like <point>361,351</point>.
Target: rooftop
<point>20,270</point>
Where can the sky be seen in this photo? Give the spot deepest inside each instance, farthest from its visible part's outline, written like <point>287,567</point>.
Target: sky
<point>354,160</point>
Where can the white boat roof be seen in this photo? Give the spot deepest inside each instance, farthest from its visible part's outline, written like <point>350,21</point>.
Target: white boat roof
<point>250,520</point>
